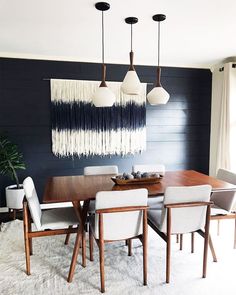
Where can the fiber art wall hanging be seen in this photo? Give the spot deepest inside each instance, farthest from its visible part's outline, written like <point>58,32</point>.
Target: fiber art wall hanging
<point>81,129</point>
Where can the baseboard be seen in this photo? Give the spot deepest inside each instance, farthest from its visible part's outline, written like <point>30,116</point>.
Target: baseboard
<point>3,209</point>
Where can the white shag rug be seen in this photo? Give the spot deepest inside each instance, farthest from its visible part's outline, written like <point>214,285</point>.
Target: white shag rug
<point>123,274</point>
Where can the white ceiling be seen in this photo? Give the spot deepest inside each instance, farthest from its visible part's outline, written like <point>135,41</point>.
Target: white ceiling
<point>195,34</point>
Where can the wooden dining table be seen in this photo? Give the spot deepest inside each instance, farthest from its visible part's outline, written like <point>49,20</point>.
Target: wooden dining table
<point>84,188</point>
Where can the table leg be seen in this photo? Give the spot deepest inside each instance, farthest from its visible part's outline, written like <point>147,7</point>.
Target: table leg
<point>81,213</point>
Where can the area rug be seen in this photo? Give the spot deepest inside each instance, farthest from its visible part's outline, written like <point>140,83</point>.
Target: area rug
<point>123,274</point>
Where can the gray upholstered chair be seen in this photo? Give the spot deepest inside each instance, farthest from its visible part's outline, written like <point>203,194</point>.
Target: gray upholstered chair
<point>153,202</point>
<point>184,210</point>
<point>120,215</point>
<point>55,221</point>
<point>99,170</point>
<point>224,201</point>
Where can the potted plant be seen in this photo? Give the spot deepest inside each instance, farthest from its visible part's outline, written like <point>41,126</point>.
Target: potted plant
<point>10,162</point>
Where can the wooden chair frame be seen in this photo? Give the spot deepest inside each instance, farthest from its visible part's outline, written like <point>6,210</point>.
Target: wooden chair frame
<point>100,241</point>
<point>29,234</point>
<point>227,216</point>
<point>167,237</point>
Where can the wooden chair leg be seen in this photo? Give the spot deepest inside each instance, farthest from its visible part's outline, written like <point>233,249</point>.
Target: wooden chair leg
<point>177,238</point>
<point>26,237</point>
<point>168,245</point>
<point>68,236</point>
<point>192,242</point>
<point>101,253</point>
<point>90,244</point>
<point>181,242</point>
<point>218,227</point>
<point>102,271</point>
<point>144,240</point>
<point>130,247</point>
<point>206,241</point>
<point>84,249</point>
<point>126,242</point>
<point>235,233</point>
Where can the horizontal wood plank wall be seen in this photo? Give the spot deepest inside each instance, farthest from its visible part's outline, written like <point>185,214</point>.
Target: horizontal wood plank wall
<point>177,133</point>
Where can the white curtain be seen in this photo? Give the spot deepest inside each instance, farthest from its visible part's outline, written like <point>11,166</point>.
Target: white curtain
<point>233,118</point>
<point>223,119</point>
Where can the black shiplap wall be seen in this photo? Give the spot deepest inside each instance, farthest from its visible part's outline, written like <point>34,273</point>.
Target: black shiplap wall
<point>177,133</point>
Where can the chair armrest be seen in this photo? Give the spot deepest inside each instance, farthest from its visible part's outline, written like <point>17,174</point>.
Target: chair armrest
<point>188,204</point>
<point>121,209</point>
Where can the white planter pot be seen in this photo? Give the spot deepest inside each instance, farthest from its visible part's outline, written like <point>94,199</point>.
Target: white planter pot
<point>14,197</point>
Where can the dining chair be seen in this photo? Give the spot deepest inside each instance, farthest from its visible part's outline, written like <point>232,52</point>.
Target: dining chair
<point>50,222</point>
<point>120,215</point>
<point>99,170</point>
<point>185,210</point>
<point>153,202</point>
<point>96,170</point>
<point>224,201</point>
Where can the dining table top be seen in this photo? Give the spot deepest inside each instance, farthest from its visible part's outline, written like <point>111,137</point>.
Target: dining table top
<point>82,188</point>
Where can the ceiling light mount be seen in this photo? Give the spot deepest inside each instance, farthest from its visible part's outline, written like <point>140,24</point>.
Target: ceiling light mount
<point>159,17</point>
<point>102,6</point>
<point>131,20</point>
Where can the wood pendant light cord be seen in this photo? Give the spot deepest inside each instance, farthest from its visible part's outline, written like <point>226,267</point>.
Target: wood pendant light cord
<point>131,54</point>
<point>103,83</point>
<point>158,82</point>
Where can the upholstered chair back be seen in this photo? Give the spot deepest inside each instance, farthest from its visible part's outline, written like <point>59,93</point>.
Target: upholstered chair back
<point>33,201</point>
<point>189,219</point>
<point>123,225</point>
<point>159,168</point>
<point>100,170</point>
<point>225,200</point>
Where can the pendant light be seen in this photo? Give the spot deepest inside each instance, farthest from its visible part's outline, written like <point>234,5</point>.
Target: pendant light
<point>131,84</point>
<point>103,97</point>
<point>158,95</point>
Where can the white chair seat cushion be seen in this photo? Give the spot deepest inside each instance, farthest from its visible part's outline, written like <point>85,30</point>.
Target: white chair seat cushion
<point>58,218</point>
<point>215,210</point>
<point>155,217</point>
<point>155,203</point>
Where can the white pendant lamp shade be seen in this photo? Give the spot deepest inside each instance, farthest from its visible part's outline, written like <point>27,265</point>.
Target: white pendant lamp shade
<point>103,97</point>
<point>131,84</point>
<point>158,95</point>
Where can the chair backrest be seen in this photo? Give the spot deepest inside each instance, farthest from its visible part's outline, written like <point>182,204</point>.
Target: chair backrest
<point>33,201</point>
<point>122,225</point>
<point>159,168</point>
<point>225,200</point>
<point>100,170</point>
<point>189,219</point>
